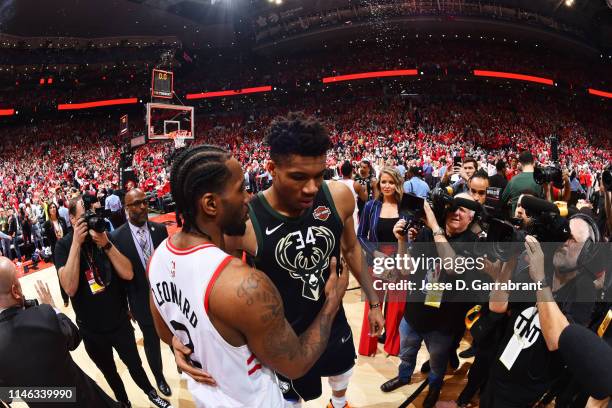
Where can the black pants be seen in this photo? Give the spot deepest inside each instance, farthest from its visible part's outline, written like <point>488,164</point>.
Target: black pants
<point>479,372</point>
<point>100,346</point>
<point>152,350</point>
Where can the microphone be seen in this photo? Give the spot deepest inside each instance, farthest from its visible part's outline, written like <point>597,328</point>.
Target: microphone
<point>589,358</point>
<point>536,206</point>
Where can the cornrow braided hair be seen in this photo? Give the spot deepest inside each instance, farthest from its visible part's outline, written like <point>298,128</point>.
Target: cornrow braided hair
<point>195,171</point>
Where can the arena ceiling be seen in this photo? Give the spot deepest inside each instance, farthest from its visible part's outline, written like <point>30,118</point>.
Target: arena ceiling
<point>216,22</point>
<point>192,21</point>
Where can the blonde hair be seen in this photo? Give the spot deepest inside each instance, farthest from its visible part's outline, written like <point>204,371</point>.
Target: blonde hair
<point>397,179</point>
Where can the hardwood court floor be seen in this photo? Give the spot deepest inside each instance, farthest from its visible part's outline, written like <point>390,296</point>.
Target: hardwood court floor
<point>369,373</point>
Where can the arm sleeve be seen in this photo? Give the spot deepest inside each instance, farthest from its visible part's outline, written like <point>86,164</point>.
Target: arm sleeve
<point>70,331</point>
<point>364,228</point>
<point>506,193</point>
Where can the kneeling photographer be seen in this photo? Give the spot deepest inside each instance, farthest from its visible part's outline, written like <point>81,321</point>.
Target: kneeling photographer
<point>430,316</point>
<point>35,345</point>
<point>524,367</point>
<point>91,270</point>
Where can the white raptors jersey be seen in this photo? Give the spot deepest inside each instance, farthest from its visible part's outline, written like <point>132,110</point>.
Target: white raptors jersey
<point>181,280</point>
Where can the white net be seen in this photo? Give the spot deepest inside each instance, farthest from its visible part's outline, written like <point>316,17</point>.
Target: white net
<point>179,137</point>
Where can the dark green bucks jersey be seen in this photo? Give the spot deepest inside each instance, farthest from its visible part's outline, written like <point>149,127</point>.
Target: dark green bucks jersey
<point>295,253</point>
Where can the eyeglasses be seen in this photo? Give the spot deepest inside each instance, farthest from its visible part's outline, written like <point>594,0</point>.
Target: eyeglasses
<point>138,203</point>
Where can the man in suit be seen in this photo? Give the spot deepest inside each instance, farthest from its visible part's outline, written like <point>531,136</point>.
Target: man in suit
<point>35,345</point>
<point>137,239</point>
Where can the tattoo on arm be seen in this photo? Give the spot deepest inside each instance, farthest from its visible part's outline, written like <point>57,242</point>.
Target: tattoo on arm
<point>256,290</point>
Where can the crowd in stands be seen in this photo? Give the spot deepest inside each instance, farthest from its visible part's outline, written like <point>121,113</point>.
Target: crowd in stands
<point>47,161</point>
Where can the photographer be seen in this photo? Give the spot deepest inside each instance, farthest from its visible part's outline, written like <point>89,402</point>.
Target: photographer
<point>520,182</point>
<point>552,193</point>
<point>91,270</point>
<point>430,316</point>
<point>35,345</point>
<point>524,367</point>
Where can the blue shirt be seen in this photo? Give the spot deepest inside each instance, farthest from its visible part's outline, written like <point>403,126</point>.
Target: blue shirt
<point>402,170</point>
<point>417,187</point>
<point>113,203</point>
<point>575,185</point>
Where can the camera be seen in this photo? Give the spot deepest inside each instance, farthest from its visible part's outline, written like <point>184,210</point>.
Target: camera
<point>28,303</point>
<point>412,209</point>
<point>551,174</point>
<point>492,207</point>
<point>94,217</point>
<point>504,238</point>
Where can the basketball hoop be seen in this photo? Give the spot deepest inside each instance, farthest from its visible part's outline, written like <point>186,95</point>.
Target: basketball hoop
<point>179,137</point>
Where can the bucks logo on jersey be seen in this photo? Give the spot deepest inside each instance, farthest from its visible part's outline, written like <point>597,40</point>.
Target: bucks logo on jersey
<point>307,257</point>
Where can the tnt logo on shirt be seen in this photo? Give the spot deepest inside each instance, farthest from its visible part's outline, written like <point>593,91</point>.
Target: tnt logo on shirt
<point>527,327</point>
<point>526,332</point>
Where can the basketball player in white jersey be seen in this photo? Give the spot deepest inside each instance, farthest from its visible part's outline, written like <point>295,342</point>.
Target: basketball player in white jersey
<point>228,314</point>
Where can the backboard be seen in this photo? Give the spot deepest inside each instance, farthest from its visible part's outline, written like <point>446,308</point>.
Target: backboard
<point>165,121</point>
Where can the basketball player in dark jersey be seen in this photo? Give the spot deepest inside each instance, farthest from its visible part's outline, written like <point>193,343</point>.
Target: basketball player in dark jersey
<point>295,226</point>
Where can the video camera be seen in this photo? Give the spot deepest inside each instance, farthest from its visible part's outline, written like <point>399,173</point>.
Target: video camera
<point>503,238</point>
<point>551,174</point>
<point>94,217</point>
<point>441,201</point>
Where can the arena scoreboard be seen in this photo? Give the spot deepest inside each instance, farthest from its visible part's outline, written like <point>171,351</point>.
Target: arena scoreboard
<point>162,85</point>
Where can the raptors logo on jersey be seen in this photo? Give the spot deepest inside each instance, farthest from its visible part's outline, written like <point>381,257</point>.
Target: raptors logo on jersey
<point>306,258</point>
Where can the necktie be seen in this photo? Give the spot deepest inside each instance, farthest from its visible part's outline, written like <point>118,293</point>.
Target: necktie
<point>144,245</point>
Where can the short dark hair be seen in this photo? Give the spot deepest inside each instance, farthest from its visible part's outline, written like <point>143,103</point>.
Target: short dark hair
<point>416,171</point>
<point>480,174</point>
<point>60,202</point>
<point>73,203</point>
<point>500,165</point>
<point>195,171</point>
<point>346,169</point>
<point>297,134</point>
<point>525,157</point>
<point>472,160</point>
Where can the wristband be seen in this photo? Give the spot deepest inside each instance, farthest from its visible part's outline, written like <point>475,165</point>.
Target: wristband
<point>374,305</point>
<point>108,246</point>
<point>439,231</point>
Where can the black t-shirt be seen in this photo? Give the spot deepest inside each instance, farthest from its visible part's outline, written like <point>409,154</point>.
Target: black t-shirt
<point>450,316</point>
<point>498,181</point>
<point>107,309</point>
<point>536,368</point>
